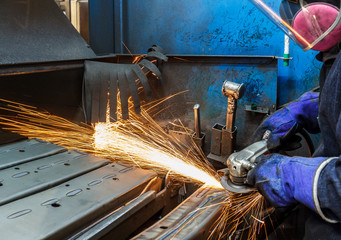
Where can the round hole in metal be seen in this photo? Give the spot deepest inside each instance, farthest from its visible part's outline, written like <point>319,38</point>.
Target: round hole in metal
<point>21,150</point>
<point>67,185</point>
<point>115,179</point>
<point>67,164</point>
<point>17,168</point>
<point>55,205</point>
<point>163,227</point>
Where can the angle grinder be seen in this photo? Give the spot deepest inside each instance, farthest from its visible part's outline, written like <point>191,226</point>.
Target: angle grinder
<point>233,178</point>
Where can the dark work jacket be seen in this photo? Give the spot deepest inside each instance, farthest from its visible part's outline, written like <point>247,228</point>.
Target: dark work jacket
<point>329,184</point>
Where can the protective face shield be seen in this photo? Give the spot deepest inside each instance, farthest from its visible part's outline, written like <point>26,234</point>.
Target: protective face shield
<point>311,24</point>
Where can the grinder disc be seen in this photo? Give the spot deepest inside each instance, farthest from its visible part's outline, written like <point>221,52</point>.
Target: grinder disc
<point>230,186</point>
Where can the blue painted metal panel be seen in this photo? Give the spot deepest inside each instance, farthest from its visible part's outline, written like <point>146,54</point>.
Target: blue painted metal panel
<point>205,27</point>
<point>101,26</point>
<point>218,28</point>
<point>204,82</point>
<point>208,27</point>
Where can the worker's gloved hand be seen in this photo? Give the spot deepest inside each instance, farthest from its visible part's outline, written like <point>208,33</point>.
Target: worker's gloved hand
<point>285,122</point>
<point>284,180</point>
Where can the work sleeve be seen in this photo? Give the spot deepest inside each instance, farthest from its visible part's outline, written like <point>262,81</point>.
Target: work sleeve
<point>327,190</point>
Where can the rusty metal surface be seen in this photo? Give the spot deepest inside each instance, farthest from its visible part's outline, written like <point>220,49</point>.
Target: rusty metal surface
<point>204,78</point>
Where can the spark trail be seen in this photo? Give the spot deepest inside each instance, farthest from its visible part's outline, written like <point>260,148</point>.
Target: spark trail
<point>142,152</point>
<point>140,141</point>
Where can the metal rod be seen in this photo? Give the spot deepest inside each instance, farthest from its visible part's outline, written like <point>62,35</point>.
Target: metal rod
<point>196,109</point>
<point>231,113</point>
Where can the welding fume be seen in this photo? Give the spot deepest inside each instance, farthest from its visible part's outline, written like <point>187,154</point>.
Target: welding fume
<point>312,183</point>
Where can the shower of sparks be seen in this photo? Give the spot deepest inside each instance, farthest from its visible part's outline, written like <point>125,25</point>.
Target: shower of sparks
<point>139,140</point>
<point>110,138</point>
<point>242,217</point>
<point>144,143</point>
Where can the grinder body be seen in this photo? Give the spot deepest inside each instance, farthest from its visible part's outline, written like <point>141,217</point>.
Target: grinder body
<point>239,164</point>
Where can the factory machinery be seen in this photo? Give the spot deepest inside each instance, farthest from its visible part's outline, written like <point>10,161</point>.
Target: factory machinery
<point>49,192</point>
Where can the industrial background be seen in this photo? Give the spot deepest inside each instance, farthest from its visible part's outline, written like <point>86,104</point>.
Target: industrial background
<point>43,62</point>
<point>249,46</point>
<point>203,27</point>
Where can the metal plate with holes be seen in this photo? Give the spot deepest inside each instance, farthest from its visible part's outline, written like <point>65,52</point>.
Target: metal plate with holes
<point>25,151</point>
<point>61,210</point>
<point>191,219</point>
<point>34,176</point>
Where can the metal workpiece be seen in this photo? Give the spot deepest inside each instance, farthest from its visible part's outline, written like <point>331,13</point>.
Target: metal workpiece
<point>231,116</point>
<point>233,89</point>
<point>222,143</point>
<point>223,138</point>
<point>198,136</point>
<point>25,151</point>
<point>35,176</point>
<point>58,212</point>
<point>196,109</point>
<point>190,220</point>
<point>104,225</point>
<point>228,141</point>
<point>216,139</point>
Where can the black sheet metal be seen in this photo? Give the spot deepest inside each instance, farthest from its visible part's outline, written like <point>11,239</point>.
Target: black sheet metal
<point>38,31</point>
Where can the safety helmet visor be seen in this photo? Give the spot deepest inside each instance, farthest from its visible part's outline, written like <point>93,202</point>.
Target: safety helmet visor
<point>311,24</point>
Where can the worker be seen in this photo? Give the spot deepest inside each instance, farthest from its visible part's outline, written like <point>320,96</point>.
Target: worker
<point>316,181</point>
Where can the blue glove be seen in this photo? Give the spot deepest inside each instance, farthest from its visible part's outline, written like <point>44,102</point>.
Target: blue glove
<point>284,180</point>
<point>285,122</point>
